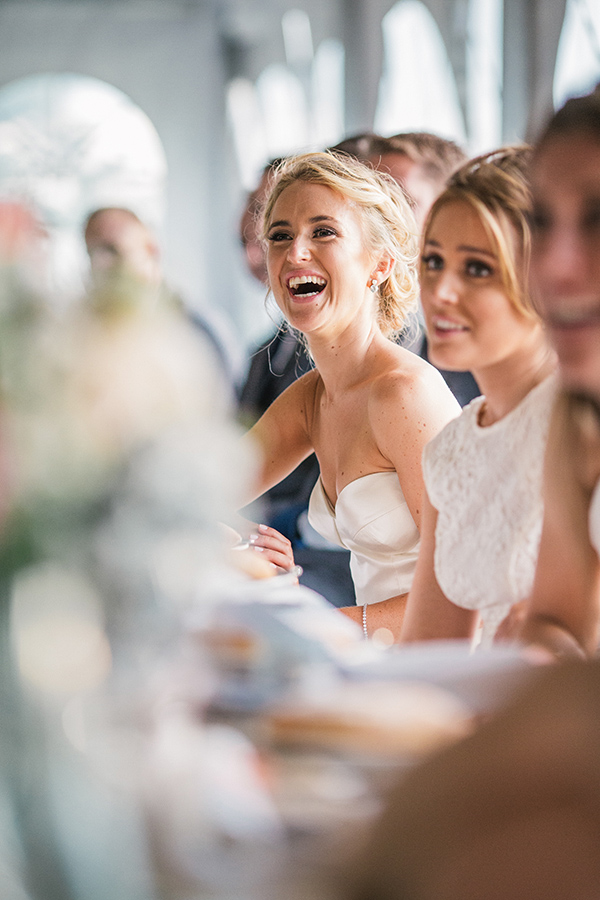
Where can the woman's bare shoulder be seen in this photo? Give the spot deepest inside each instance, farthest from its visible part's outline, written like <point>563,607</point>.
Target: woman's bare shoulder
<point>409,403</point>
<point>301,391</point>
<point>412,382</point>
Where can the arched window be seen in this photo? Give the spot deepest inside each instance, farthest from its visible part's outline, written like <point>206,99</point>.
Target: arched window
<point>284,106</point>
<point>70,144</point>
<point>578,58</point>
<point>484,75</point>
<point>247,130</point>
<point>328,93</point>
<point>293,105</point>
<point>418,90</point>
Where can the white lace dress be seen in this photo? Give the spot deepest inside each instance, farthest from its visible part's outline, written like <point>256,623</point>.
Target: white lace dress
<point>486,484</point>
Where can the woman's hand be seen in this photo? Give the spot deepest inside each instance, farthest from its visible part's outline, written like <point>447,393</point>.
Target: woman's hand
<point>275,548</point>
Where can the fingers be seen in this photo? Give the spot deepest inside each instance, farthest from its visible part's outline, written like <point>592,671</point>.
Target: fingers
<point>276,548</point>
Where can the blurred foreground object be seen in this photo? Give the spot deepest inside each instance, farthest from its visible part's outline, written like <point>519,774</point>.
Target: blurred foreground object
<point>374,719</point>
<point>117,460</point>
<point>513,811</point>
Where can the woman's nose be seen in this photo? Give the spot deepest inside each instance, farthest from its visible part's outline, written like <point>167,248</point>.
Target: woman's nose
<point>447,289</point>
<point>299,249</point>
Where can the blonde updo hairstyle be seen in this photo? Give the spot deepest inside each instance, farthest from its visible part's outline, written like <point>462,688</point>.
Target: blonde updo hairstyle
<point>496,185</point>
<point>389,224</point>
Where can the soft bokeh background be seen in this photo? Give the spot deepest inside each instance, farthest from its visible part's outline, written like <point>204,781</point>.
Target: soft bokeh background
<point>117,452</point>
<point>171,107</point>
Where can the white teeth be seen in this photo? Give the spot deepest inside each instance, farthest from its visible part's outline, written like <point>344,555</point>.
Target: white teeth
<point>306,279</point>
<point>445,325</point>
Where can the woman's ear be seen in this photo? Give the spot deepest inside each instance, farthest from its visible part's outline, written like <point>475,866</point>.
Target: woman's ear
<point>384,266</point>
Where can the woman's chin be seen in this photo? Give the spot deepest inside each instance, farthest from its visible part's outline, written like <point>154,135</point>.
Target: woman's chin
<point>303,316</point>
<point>443,358</point>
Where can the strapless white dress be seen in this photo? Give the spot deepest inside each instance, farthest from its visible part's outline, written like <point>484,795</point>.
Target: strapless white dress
<point>372,520</point>
<point>486,484</point>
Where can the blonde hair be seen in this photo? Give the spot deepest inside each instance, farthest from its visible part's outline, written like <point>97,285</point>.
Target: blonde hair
<point>496,185</point>
<point>388,221</point>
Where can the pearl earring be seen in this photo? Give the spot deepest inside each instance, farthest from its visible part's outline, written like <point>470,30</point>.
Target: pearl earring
<point>373,285</point>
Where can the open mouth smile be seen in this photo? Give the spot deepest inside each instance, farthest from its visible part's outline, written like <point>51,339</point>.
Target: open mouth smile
<point>306,286</point>
<point>447,326</point>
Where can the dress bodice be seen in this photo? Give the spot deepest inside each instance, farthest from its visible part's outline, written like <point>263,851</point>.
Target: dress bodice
<point>486,484</point>
<point>372,520</point>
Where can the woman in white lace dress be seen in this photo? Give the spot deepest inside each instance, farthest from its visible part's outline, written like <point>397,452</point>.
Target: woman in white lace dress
<point>482,510</point>
<point>564,612</point>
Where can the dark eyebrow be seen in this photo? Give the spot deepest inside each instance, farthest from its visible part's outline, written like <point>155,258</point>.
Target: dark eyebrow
<point>465,248</point>
<point>282,223</point>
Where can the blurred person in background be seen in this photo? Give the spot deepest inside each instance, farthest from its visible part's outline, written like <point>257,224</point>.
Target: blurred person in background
<point>419,161</point>
<point>563,614</point>
<point>124,252</point>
